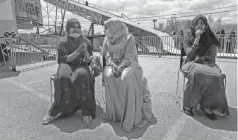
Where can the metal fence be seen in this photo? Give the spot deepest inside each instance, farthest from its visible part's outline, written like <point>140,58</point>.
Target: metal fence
<point>171,45</point>
<point>27,49</point>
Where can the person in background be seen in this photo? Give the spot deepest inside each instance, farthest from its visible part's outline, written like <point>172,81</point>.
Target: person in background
<point>181,39</point>
<point>232,38</point>
<point>205,86</point>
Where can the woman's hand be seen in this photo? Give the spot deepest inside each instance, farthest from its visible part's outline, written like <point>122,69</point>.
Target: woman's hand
<point>114,66</point>
<point>82,48</point>
<point>117,73</point>
<point>198,33</point>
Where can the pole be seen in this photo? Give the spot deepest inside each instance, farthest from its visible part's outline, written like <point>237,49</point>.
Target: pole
<point>56,11</point>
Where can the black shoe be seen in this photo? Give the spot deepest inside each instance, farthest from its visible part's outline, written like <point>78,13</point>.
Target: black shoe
<point>189,112</point>
<point>211,116</point>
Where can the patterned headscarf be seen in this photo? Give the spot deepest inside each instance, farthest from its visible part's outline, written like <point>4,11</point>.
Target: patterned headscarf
<point>70,24</point>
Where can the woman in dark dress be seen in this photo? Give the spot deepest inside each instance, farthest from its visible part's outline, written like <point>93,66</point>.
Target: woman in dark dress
<point>74,83</point>
<point>205,84</point>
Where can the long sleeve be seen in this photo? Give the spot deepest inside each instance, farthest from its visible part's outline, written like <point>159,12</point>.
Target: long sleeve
<point>89,47</point>
<point>106,54</point>
<point>87,56</point>
<point>62,53</point>
<point>130,52</point>
<point>190,52</point>
<point>212,52</point>
<point>108,58</point>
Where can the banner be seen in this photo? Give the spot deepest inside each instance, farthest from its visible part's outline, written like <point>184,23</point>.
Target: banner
<point>7,18</point>
<point>28,14</point>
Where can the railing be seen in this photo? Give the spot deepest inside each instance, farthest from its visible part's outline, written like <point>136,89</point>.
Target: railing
<point>23,51</point>
<point>153,45</point>
<point>96,7</point>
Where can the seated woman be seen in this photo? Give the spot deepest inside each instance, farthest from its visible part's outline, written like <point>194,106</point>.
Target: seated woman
<point>205,84</point>
<point>74,83</point>
<point>126,91</point>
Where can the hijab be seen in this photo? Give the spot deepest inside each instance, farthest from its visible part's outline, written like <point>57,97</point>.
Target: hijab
<point>116,38</point>
<point>207,38</point>
<point>72,42</point>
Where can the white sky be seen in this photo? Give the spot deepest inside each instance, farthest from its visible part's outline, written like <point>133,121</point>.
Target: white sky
<point>139,8</point>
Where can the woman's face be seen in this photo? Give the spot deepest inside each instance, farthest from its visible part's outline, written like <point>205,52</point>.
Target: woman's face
<point>200,24</point>
<point>75,31</point>
<point>107,32</point>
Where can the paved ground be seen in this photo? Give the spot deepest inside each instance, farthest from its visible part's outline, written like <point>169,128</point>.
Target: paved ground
<point>25,99</point>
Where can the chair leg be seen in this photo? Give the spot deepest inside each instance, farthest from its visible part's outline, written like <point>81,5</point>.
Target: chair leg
<point>183,82</point>
<point>225,83</point>
<point>177,83</point>
<point>51,94</point>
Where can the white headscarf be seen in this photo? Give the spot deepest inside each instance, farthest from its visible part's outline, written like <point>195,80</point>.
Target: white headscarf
<point>117,30</point>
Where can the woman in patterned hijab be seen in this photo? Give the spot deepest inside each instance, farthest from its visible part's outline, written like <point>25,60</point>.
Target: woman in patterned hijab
<point>74,83</point>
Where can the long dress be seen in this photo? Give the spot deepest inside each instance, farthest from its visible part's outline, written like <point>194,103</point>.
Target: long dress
<point>205,85</point>
<point>74,83</point>
<point>127,97</point>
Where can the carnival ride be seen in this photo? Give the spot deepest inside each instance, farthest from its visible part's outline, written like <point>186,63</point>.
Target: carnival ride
<point>28,14</point>
<point>98,15</point>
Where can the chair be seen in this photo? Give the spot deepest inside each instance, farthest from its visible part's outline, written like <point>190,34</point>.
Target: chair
<point>182,54</point>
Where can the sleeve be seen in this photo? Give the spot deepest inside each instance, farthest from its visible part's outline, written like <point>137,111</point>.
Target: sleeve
<point>89,47</point>
<point>90,51</point>
<point>108,58</point>
<point>189,50</point>
<point>62,53</point>
<point>212,52</point>
<point>130,51</point>
<point>106,54</point>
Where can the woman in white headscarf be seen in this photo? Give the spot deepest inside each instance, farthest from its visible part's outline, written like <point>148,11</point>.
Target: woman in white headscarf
<point>126,91</point>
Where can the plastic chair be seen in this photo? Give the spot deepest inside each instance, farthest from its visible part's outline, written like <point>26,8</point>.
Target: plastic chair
<point>182,54</point>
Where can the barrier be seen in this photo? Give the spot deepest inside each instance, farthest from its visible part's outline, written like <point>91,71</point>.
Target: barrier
<point>29,49</point>
<point>153,45</point>
<point>24,50</point>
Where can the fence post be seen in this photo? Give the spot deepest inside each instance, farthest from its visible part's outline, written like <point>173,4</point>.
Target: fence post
<point>159,43</point>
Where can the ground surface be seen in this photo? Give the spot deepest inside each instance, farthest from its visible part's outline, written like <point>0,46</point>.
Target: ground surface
<point>25,99</point>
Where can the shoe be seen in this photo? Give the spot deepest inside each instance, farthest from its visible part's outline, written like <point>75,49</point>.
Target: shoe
<point>189,112</point>
<point>211,116</point>
<point>47,120</point>
<point>87,120</point>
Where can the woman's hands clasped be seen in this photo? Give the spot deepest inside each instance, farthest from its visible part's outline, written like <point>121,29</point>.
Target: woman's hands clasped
<point>82,48</point>
<point>115,71</point>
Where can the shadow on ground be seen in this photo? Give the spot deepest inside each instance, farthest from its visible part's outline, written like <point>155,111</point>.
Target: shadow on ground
<point>8,73</point>
<point>222,123</point>
<point>75,123</point>
<point>135,134</point>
